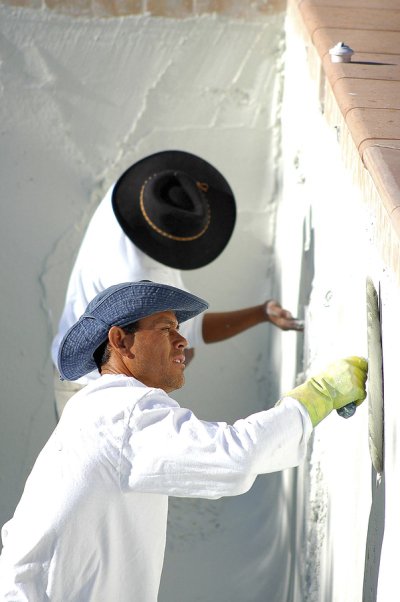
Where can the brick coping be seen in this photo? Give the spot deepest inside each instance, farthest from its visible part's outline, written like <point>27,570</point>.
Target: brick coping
<point>367,93</point>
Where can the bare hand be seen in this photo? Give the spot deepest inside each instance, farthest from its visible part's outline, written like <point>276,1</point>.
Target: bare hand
<point>282,318</point>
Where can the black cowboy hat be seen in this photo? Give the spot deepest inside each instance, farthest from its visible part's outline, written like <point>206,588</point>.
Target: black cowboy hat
<point>176,207</point>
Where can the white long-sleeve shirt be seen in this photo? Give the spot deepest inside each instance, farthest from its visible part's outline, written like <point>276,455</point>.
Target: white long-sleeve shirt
<point>106,257</point>
<point>91,523</point>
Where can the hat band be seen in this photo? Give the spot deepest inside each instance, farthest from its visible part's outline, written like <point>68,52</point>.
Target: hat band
<point>203,187</point>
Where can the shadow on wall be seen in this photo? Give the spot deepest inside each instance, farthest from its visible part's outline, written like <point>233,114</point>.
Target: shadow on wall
<point>376,529</point>
<point>376,522</point>
<point>299,483</point>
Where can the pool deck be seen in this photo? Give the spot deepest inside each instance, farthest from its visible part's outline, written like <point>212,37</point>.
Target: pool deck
<point>361,99</point>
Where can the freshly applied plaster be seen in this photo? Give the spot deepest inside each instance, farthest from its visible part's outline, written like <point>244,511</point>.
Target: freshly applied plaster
<point>344,524</point>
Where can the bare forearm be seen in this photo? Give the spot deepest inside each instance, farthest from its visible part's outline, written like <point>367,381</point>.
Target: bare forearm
<point>219,326</point>
<point>223,325</point>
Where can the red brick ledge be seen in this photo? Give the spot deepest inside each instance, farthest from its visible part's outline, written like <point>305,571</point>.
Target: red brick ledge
<point>367,90</point>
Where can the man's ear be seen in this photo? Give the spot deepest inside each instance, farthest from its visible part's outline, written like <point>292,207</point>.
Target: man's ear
<point>120,341</point>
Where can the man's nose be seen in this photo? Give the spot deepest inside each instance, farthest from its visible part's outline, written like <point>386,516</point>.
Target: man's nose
<point>181,342</point>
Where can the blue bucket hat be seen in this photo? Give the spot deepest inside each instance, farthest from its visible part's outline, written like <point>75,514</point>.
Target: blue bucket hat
<point>119,305</point>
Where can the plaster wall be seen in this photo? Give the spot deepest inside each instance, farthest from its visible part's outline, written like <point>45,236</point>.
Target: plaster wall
<point>82,99</point>
<point>344,521</point>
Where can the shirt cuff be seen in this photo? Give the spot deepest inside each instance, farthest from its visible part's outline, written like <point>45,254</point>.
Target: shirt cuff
<point>290,402</point>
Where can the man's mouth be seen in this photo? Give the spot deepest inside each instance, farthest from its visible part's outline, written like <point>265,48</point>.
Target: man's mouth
<point>179,360</point>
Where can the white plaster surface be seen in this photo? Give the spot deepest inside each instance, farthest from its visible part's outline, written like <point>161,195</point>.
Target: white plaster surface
<point>82,99</point>
<point>345,526</point>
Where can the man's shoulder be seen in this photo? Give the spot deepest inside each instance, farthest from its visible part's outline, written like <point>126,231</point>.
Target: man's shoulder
<point>124,387</point>
<point>117,383</point>
<point>110,399</point>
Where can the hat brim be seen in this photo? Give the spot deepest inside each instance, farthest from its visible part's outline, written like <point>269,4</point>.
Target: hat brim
<point>183,255</point>
<point>119,305</point>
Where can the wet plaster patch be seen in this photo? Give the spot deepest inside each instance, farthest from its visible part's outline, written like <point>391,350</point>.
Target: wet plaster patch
<point>313,188</point>
<point>345,524</point>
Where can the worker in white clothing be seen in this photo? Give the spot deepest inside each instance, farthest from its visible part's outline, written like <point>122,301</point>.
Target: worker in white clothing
<point>168,212</point>
<point>91,523</point>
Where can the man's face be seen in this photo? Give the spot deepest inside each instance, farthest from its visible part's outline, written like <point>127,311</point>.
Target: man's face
<point>158,352</point>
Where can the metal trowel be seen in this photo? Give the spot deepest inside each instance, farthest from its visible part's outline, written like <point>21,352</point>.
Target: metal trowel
<point>375,378</point>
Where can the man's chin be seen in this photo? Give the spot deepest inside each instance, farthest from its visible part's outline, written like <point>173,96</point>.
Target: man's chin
<point>177,384</point>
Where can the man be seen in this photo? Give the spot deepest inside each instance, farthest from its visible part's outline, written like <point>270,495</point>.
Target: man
<point>91,523</point>
<point>168,212</point>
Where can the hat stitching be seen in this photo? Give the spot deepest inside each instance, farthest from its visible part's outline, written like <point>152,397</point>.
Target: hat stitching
<point>201,186</point>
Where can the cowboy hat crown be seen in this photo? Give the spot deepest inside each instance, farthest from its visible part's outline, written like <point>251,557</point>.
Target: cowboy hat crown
<point>176,207</point>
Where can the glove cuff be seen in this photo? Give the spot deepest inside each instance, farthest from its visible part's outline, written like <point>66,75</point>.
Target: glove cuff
<point>315,402</point>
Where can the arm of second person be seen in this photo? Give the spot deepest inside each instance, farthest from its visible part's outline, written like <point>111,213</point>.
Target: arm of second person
<point>218,326</point>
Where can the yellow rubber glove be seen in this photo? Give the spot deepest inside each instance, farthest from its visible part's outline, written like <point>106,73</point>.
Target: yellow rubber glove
<point>341,383</point>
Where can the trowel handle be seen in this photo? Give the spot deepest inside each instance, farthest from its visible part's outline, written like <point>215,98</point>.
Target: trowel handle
<point>347,411</point>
